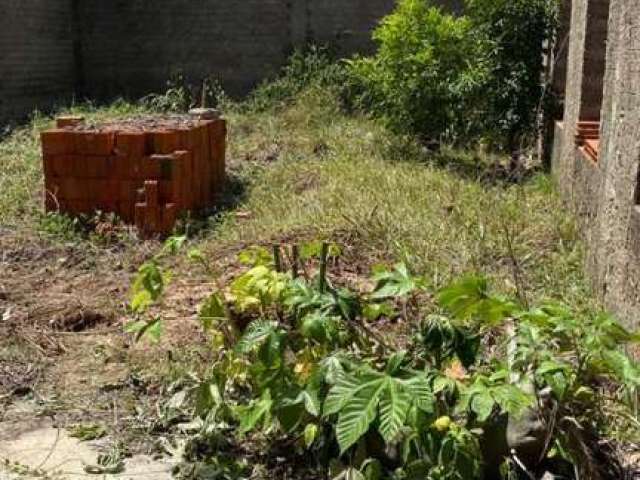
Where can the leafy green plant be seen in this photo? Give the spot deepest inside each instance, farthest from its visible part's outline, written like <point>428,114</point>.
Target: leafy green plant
<point>313,66</point>
<point>515,32</point>
<point>147,288</point>
<point>365,396</point>
<point>306,370</point>
<point>471,77</point>
<point>424,77</point>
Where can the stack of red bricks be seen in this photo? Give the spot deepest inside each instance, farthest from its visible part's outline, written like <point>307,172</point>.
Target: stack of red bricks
<point>146,170</point>
<point>588,138</point>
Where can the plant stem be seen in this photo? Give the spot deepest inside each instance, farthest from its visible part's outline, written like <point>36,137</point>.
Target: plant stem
<point>277,261</point>
<point>322,278</point>
<point>295,259</point>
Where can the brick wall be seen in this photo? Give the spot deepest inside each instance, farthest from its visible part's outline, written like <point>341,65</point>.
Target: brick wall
<point>36,55</point>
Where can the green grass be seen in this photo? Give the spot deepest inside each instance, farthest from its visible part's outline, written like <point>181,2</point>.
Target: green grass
<point>309,170</point>
<point>347,177</point>
<point>21,177</point>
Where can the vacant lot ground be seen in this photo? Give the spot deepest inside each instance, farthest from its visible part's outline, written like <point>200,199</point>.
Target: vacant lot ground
<point>302,172</point>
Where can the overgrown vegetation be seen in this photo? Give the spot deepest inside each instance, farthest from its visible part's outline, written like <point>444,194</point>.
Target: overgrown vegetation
<point>479,354</point>
<point>477,76</point>
<point>483,386</point>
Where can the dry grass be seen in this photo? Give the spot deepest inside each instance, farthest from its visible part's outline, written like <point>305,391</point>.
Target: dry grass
<point>302,172</point>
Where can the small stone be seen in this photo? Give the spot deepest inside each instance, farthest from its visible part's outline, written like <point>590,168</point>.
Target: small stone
<point>204,113</point>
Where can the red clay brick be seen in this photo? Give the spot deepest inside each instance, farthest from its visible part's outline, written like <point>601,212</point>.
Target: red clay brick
<point>140,198</point>
<point>126,211</point>
<point>69,121</point>
<point>166,141</point>
<point>151,192</point>
<point>206,168</point>
<point>98,167</point>
<point>121,167</point>
<point>78,207</point>
<point>48,165</point>
<point>105,170</point>
<point>94,143</point>
<point>183,179</point>
<point>71,188</point>
<point>127,191</point>
<point>217,133</point>
<point>57,142</point>
<point>140,218</point>
<point>160,167</point>
<point>131,144</point>
<point>169,215</point>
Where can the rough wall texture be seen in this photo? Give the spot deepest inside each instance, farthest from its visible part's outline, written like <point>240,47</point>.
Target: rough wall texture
<point>616,256</point>
<point>36,55</point>
<point>108,48</point>
<point>605,195</point>
<point>131,47</point>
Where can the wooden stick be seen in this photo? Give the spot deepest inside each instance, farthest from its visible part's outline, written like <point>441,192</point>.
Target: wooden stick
<point>322,279</point>
<point>276,258</point>
<point>295,259</point>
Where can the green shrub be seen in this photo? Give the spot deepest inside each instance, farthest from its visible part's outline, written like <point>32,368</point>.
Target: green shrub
<point>514,32</point>
<point>426,76</point>
<point>306,67</point>
<point>472,77</point>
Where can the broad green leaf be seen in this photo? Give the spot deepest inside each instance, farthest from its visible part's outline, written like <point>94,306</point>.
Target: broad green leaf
<point>396,283</point>
<point>173,244</point>
<point>345,388</point>
<point>358,412</point>
<point>420,392</point>
<point>310,434</point>
<point>469,298</point>
<point>373,311</point>
<point>394,405</point>
<point>482,405</point>
<point>255,256</point>
<point>148,286</point>
<point>211,311</point>
<point>256,412</point>
<point>151,329</point>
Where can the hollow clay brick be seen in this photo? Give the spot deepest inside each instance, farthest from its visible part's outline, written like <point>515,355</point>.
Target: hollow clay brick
<point>94,143</point>
<point>169,215</point>
<point>57,142</point>
<point>145,177</point>
<point>49,165</point>
<point>166,141</point>
<point>161,166</point>
<point>71,188</point>
<point>140,210</point>
<point>207,168</point>
<point>69,121</point>
<point>98,167</point>
<point>183,178</point>
<point>140,195</point>
<point>131,144</point>
<point>151,192</point>
<point>126,168</point>
<point>126,211</point>
<point>78,207</point>
<point>127,191</point>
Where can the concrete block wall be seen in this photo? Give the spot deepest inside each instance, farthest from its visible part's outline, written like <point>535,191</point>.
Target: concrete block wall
<point>616,255</point>
<point>605,194</point>
<point>37,65</point>
<point>131,47</point>
<point>50,49</point>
